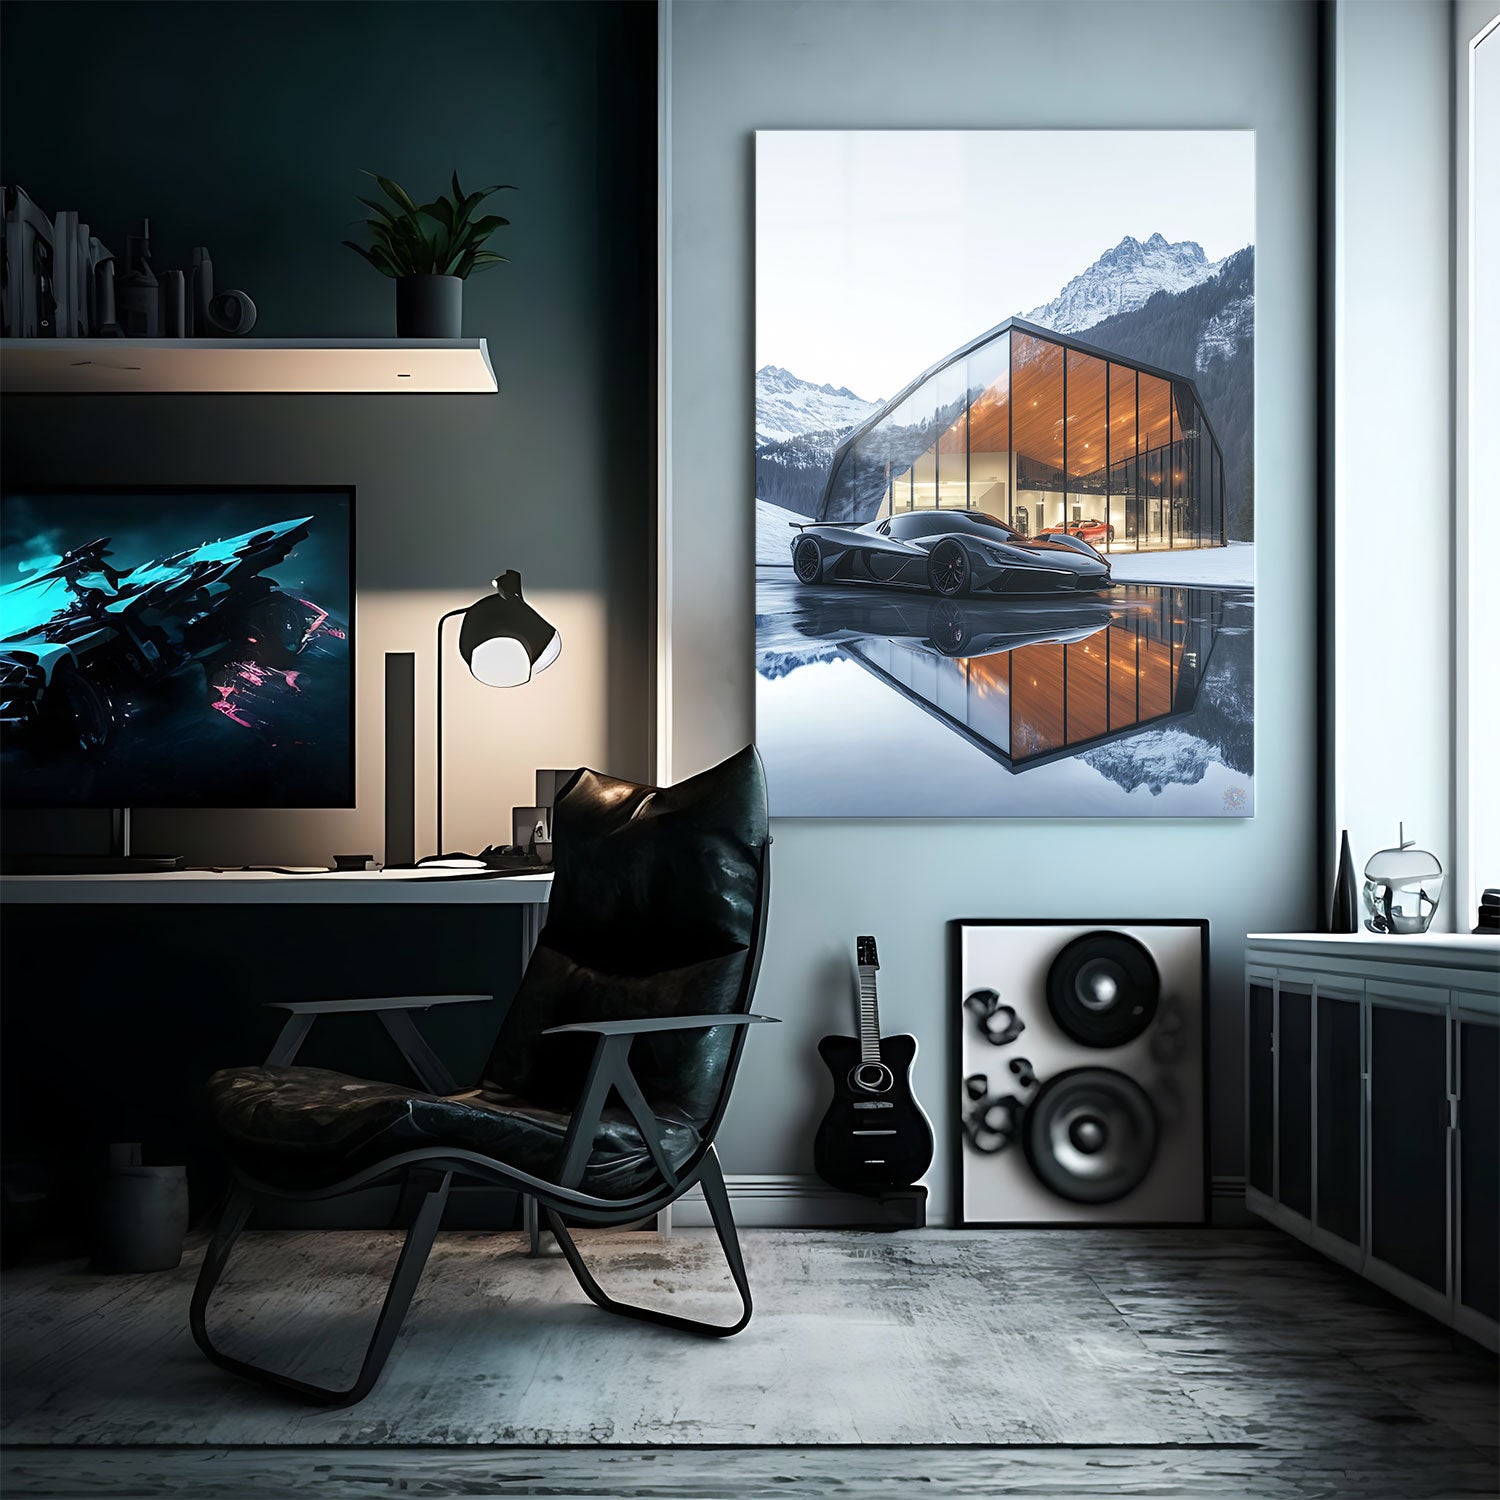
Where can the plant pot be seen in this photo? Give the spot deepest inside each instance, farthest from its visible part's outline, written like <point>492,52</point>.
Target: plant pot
<point>429,307</point>
<point>143,1215</point>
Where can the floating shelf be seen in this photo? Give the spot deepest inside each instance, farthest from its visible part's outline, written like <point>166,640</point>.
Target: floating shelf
<point>246,366</point>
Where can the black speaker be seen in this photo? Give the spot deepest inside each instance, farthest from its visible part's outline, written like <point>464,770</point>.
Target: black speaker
<point>1090,1135</point>
<point>1102,989</point>
<point>400,758</point>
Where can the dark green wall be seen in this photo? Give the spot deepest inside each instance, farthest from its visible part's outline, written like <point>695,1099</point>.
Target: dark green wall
<point>244,127</point>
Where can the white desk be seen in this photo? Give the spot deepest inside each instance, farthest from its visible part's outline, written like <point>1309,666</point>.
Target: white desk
<point>257,887</point>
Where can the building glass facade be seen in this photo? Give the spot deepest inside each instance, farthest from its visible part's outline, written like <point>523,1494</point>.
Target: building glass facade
<point>1044,432</point>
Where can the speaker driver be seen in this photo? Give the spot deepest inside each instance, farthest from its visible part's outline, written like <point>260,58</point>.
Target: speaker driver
<point>1102,989</point>
<point>1090,1135</point>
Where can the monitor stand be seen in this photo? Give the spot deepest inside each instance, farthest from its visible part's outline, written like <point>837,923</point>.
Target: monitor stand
<point>119,860</point>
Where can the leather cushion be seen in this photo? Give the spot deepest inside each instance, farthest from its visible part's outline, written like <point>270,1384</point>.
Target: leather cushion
<point>682,1069</point>
<point>654,909</point>
<point>650,878</point>
<point>307,1127</point>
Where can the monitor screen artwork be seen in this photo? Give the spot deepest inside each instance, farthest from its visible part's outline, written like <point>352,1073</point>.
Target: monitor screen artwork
<point>176,648</point>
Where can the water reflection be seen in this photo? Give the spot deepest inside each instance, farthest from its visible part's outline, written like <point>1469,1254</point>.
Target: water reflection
<point>1036,681</point>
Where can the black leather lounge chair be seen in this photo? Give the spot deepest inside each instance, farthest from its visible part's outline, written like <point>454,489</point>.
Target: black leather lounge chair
<point>606,1084</point>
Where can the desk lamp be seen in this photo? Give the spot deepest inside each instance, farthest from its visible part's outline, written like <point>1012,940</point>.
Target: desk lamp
<point>504,642</point>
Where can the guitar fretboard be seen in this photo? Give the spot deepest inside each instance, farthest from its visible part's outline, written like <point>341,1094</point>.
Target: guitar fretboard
<point>869,1017</point>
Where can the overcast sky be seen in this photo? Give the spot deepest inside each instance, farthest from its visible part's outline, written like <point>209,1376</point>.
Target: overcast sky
<point>878,252</point>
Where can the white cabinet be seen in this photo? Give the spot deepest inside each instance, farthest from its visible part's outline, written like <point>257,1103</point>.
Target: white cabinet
<point>1372,1086</point>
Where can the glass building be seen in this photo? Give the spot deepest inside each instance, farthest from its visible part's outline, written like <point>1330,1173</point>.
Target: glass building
<point>1044,432</point>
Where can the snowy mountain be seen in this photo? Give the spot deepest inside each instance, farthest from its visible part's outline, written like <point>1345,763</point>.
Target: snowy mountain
<point>1122,280</point>
<point>1206,331</point>
<point>797,427</point>
<point>1157,758</point>
<point>1225,331</point>
<point>786,407</point>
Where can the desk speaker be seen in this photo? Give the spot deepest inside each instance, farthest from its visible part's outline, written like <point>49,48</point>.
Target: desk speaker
<point>400,758</point>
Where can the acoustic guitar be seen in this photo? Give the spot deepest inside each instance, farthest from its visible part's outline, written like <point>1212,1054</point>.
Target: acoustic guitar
<point>874,1135</point>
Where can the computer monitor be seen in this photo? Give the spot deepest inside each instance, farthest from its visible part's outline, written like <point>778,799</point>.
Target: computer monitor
<point>177,647</point>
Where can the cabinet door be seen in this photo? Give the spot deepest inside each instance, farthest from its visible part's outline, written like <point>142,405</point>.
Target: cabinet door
<point>1294,1099</point>
<point>1409,1126</point>
<point>1340,1096</point>
<point>1260,1087</point>
<point>1478,1166</point>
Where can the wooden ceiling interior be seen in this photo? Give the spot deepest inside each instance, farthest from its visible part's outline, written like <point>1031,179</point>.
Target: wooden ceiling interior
<point>1109,407</point>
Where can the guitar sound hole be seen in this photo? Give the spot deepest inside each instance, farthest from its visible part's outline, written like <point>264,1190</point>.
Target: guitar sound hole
<point>871,1078</point>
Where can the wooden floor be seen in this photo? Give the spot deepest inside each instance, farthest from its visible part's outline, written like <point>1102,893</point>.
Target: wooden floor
<point>1309,1383</point>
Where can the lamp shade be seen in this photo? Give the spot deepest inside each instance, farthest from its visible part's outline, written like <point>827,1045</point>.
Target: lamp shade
<point>504,641</point>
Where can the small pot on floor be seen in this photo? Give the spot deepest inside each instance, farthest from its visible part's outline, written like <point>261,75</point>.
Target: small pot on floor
<point>143,1214</point>
<point>429,307</point>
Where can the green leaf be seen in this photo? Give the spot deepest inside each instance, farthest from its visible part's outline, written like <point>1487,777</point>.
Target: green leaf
<point>395,192</point>
<point>386,215</point>
<point>437,238</point>
<point>371,257</point>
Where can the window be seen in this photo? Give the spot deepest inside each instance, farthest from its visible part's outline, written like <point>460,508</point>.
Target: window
<point>1123,490</point>
<point>1087,431</point>
<point>1477,523</point>
<point>914,524</point>
<point>1037,427</point>
<point>988,377</point>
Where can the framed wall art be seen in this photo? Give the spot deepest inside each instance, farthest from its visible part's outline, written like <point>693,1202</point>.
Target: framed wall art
<point>1004,473</point>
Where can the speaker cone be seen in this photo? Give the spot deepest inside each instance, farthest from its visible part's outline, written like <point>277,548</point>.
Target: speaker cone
<point>1090,1135</point>
<point>1102,989</point>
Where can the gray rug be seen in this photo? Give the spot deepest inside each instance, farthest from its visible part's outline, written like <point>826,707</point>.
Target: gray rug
<point>934,1338</point>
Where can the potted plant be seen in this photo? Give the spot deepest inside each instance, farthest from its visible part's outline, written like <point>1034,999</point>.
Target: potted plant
<point>429,249</point>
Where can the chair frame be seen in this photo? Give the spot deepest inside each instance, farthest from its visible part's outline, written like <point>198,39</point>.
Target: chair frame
<point>427,1173</point>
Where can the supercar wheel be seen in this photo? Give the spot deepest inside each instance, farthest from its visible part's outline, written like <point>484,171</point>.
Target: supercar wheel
<point>274,628</point>
<point>947,629</point>
<point>77,711</point>
<point>948,569</point>
<point>807,559</point>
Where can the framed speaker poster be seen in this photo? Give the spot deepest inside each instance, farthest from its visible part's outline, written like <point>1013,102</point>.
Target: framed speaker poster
<point>1079,1055</point>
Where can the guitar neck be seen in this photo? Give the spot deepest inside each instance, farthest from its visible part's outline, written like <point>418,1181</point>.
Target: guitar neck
<point>869,1016</point>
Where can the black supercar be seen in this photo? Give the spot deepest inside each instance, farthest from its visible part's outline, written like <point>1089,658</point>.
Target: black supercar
<point>946,552</point>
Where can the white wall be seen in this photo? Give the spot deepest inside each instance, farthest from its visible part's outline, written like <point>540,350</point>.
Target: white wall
<point>1393,428</point>
<point>738,65</point>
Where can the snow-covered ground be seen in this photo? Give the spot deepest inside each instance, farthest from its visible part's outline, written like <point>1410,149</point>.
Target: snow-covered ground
<point>773,535</point>
<point>1212,567</point>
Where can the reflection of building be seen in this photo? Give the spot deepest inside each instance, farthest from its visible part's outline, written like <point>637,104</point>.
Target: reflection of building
<point>1044,700</point>
<point>1042,431</point>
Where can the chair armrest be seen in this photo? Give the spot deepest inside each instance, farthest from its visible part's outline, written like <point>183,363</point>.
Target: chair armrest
<point>610,1070</point>
<point>662,1023</point>
<point>379,1002</point>
<point>430,1070</point>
